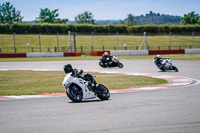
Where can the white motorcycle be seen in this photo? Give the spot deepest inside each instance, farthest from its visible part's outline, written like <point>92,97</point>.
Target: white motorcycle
<point>164,63</point>
<point>80,87</point>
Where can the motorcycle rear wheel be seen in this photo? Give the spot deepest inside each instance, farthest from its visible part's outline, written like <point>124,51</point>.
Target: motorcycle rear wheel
<point>74,94</point>
<point>104,94</point>
<point>162,69</point>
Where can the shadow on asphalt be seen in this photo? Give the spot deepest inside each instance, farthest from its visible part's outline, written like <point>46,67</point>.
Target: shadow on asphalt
<point>168,71</point>
<point>90,101</point>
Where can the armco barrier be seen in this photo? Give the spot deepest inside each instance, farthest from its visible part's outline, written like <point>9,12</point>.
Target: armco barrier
<point>72,53</point>
<point>129,52</point>
<point>139,52</point>
<point>39,54</point>
<point>93,53</point>
<point>192,51</point>
<point>13,55</point>
<point>98,53</point>
<point>43,54</point>
<point>154,52</point>
<point>120,53</point>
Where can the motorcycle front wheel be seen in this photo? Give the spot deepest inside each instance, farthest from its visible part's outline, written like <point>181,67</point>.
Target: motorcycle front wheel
<point>104,94</point>
<point>175,69</point>
<point>74,93</point>
<point>120,65</point>
<point>101,64</point>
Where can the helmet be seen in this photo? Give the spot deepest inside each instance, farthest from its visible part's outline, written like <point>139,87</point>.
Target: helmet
<point>159,56</point>
<point>68,68</point>
<point>106,53</point>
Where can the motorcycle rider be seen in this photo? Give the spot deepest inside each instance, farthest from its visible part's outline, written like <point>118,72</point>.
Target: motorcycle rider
<point>158,59</point>
<point>68,69</point>
<point>106,58</point>
<point>91,82</point>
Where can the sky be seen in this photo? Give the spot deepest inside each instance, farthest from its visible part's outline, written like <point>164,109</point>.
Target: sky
<point>104,9</point>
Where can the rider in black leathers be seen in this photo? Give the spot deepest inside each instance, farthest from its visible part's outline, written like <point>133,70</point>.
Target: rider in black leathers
<point>106,58</point>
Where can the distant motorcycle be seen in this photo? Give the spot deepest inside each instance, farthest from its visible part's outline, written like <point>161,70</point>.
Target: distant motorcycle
<point>80,87</point>
<point>114,63</point>
<point>164,63</point>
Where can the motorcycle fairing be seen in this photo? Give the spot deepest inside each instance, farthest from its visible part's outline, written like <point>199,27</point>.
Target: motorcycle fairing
<point>68,80</point>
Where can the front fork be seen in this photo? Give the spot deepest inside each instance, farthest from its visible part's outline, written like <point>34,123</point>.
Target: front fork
<point>90,86</point>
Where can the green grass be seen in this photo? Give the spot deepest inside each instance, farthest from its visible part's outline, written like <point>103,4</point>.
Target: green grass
<point>98,41</point>
<point>193,57</point>
<point>43,82</point>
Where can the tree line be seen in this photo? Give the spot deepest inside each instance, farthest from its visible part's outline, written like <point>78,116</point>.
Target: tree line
<point>9,14</point>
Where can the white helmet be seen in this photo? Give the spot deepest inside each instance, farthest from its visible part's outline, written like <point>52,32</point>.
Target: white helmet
<point>159,56</point>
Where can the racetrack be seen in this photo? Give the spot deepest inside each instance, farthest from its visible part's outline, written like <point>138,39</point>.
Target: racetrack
<point>166,110</point>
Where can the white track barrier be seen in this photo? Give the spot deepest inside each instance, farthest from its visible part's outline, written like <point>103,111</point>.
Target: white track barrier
<point>129,52</point>
<point>192,51</point>
<point>43,54</point>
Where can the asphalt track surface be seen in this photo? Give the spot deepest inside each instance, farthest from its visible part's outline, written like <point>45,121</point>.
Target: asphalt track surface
<point>173,110</point>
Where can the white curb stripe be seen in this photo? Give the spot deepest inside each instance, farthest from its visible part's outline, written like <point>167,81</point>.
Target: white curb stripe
<point>26,96</point>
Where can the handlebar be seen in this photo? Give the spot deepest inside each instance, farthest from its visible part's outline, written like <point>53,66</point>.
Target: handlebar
<point>80,71</point>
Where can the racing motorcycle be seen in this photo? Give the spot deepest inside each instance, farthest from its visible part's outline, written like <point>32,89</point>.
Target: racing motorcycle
<point>165,63</point>
<point>114,63</point>
<point>80,87</point>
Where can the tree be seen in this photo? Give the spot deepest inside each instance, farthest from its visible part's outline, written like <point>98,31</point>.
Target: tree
<point>85,17</point>
<point>130,20</point>
<point>47,16</point>
<point>191,18</point>
<point>8,14</point>
<point>198,21</point>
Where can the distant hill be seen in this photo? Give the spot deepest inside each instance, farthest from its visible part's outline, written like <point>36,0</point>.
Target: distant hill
<point>108,21</point>
<point>30,22</point>
<point>149,18</point>
<point>153,18</point>
<point>100,22</point>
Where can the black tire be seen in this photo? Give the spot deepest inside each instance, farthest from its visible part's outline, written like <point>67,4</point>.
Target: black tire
<point>175,69</point>
<point>101,64</point>
<point>74,93</point>
<point>120,65</point>
<point>104,94</point>
<point>162,69</point>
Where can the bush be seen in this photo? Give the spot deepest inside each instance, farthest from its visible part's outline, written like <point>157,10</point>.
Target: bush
<point>46,28</point>
<point>5,28</point>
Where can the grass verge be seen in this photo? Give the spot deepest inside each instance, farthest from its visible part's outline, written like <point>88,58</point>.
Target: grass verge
<point>97,40</point>
<point>42,82</point>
